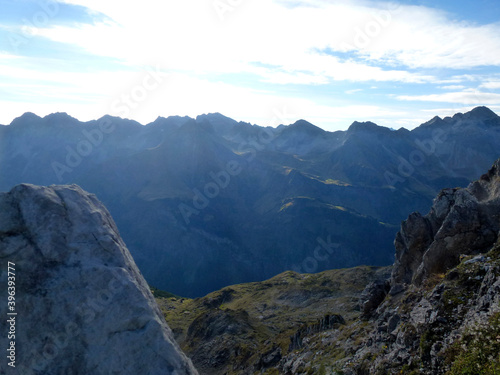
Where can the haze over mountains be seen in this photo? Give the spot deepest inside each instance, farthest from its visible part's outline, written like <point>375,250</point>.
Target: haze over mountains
<point>208,202</point>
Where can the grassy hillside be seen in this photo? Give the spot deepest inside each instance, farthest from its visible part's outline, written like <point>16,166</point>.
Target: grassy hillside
<point>310,324</point>
<point>249,327</point>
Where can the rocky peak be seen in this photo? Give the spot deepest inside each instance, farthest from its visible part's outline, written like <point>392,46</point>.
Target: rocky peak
<point>481,113</point>
<point>59,117</point>
<point>476,116</point>
<point>306,127</point>
<point>444,302</point>
<point>361,126</point>
<point>169,122</point>
<point>460,222</point>
<point>82,304</point>
<point>24,118</point>
<point>436,120</point>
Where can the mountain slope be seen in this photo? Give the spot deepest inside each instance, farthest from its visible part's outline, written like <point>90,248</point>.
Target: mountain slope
<point>246,328</point>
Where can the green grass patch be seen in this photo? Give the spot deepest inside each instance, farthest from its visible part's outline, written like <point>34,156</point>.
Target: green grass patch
<point>478,352</point>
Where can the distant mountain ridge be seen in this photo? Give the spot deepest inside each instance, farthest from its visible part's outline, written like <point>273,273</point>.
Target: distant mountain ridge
<point>208,202</point>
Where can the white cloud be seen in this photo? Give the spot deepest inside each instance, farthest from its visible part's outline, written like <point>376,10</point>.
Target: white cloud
<point>269,32</point>
<point>452,87</point>
<point>420,37</point>
<point>258,31</point>
<point>284,78</point>
<point>491,84</point>
<point>469,96</point>
<point>276,42</point>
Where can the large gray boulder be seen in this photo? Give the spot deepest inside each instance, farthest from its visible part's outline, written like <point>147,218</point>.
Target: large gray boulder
<point>82,305</point>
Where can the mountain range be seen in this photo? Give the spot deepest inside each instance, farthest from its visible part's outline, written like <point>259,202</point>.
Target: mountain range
<point>209,202</point>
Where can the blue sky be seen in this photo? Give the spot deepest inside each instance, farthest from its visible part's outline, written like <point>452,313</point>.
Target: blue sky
<point>268,62</point>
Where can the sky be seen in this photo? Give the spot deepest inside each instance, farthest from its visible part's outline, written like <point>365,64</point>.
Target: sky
<point>268,62</point>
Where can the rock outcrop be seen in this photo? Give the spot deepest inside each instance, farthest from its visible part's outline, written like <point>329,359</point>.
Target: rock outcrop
<point>326,323</point>
<point>372,296</point>
<point>461,222</point>
<point>82,305</point>
<point>444,300</point>
<point>439,312</point>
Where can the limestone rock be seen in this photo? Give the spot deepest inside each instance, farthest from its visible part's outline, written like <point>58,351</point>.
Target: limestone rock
<point>411,243</point>
<point>372,297</point>
<point>461,222</point>
<point>82,305</point>
<point>437,297</point>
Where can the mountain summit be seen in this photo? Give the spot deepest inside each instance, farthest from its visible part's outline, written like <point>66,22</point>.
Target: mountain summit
<point>482,113</point>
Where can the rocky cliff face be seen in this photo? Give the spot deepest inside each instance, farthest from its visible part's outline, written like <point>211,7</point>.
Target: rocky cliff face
<point>461,222</point>
<point>442,313</point>
<point>82,305</point>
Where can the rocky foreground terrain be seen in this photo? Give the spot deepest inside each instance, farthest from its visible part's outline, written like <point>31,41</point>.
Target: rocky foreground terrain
<point>437,313</point>
<point>82,306</point>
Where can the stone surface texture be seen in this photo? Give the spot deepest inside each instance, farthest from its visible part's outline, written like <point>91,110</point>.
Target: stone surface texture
<point>460,222</point>
<point>82,305</point>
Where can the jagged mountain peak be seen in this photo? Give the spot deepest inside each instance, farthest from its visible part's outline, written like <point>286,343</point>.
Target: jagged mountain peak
<point>459,223</point>
<point>25,117</point>
<point>221,122</point>
<point>306,126</point>
<point>125,122</point>
<point>212,117</point>
<point>59,116</point>
<point>481,113</point>
<point>190,125</point>
<point>216,122</point>
<point>369,126</point>
<point>57,119</point>
<point>436,120</point>
<point>170,121</point>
